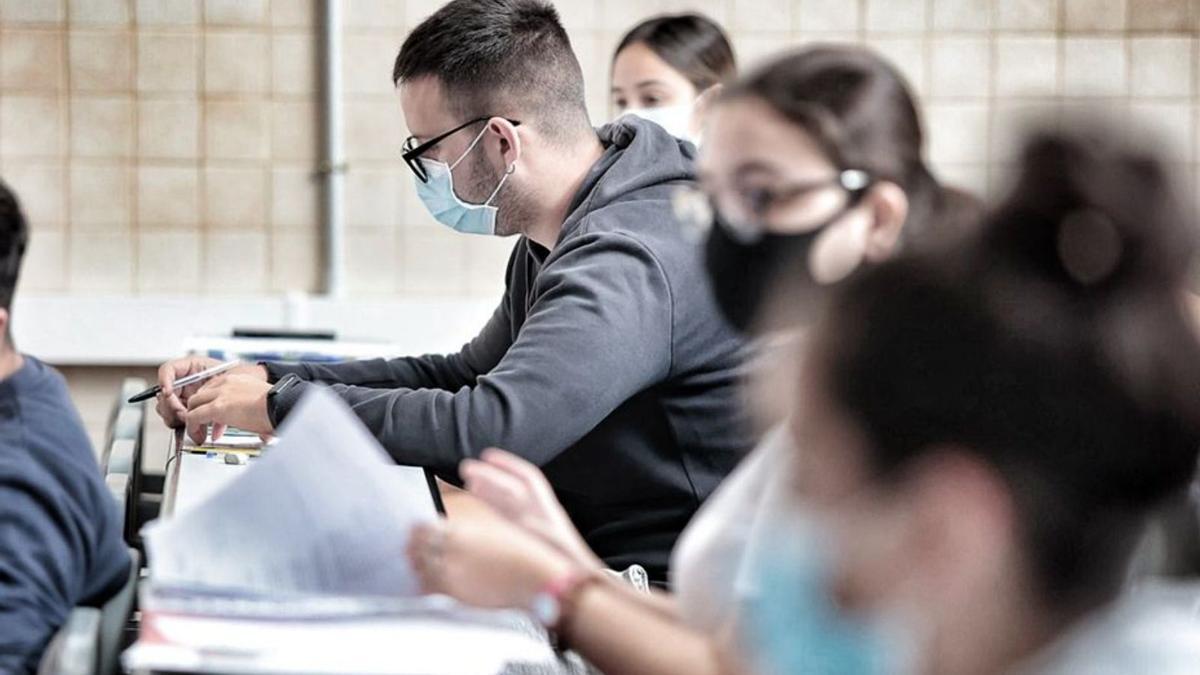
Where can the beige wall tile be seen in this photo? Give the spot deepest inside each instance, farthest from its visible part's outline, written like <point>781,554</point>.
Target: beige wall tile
<point>168,196</point>
<point>45,266</point>
<point>611,15</point>
<point>236,197</point>
<point>31,60</point>
<point>762,16</point>
<point>890,16</point>
<point>486,263</point>
<point>235,262</point>
<point>101,61</point>
<point>371,262</point>
<point>169,12</point>
<point>433,263</point>
<point>367,63</point>
<point>293,14</point>
<point>169,128</point>
<point>293,69</point>
<point>962,15</point>
<point>1167,126</point>
<point>970,177</point>
<point>235,12</point>
<point>169,262</point>
<point>294,132</point>
<point>41,189</point>
<point>1162,66</point>
<point>100,263</point>
<point>100,196</point>
<point>960,67</point>
<point>111,12</point>
<point>236,130</point>
<point>1094,67</point>
<point>294,197</point>
<point>295,262</point>
<point>756,48</point>
<point>1161,15</point>
<point>236,62</point>
<point>1036,15</point>
<point>373,129</point>
<point>813,16</point>
<point>576,15</point>
<point>168,62</point>
<point>720,11</point>
<point>415,11</point>
<point>24,11</point>
<point>1095,15</point>
<point>908,55</point>
<point>1026,66</point>
<point>376,15</point>
<point>102,126</point>
<point>1011,121</point>
<point>957,132</point>
<point>31,126</point>
<point>372,197</point>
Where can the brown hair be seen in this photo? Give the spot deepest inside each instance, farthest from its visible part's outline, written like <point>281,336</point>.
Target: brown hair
<point>858,109</point>
<point>692,44</point>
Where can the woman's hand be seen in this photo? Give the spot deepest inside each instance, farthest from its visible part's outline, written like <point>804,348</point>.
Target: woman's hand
<point>520,492</point>
<point>486,562</point>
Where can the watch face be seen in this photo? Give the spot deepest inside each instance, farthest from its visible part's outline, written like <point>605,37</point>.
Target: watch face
<point>545,609</point>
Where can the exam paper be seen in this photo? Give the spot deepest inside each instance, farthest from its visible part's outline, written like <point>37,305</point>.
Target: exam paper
<point>325,511</point>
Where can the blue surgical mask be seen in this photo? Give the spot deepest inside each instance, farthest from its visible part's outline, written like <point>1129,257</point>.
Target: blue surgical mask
<point>794,627</point>
<point>437,193</point>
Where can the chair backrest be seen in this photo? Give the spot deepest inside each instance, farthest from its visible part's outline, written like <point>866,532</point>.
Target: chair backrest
<point>114,616</point>
<point>122,453</point>
<point>75,648</point>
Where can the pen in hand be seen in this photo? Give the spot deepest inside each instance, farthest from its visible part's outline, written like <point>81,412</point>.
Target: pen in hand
<point>185,381</point>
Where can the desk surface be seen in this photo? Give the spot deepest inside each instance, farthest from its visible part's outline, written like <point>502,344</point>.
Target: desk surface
<point>192,477</point>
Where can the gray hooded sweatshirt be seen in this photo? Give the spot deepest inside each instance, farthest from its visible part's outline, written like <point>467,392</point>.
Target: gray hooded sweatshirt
<point>607,364</point>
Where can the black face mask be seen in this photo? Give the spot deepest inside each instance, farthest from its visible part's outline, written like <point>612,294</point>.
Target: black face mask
<point>742,275</point>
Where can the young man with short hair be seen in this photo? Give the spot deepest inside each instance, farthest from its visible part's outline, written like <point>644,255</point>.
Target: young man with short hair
<point>607,363</point>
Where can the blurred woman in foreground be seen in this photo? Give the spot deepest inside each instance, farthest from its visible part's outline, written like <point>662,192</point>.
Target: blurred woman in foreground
<point>982,435</point>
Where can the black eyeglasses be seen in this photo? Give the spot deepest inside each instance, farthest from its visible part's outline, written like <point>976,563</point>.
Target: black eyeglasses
<point>413,152</point>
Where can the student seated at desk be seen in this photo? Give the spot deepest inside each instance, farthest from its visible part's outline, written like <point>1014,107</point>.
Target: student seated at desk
<point>606,362</point>
<point>61,539</point>
<point>667,70</point>
<point>778,142</point>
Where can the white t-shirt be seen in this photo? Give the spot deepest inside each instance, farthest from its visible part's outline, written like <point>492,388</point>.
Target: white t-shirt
<point>713,551</point>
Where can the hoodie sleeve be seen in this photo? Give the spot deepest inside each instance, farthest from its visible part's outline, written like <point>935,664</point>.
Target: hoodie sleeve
<point>431,371</point>
<point>598,333</point>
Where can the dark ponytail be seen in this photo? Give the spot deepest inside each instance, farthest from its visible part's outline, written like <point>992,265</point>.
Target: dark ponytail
<point>859,110</point>
<point>1055,346</point>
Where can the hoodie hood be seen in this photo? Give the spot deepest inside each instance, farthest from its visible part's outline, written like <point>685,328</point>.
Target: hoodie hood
<point>638,155</point>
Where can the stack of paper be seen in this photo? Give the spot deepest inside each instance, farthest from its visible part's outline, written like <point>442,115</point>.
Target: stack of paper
<point>326,511</point>
<point>298,565</point>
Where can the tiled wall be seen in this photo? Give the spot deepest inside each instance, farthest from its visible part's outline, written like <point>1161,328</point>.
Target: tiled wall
<point>167,146</point>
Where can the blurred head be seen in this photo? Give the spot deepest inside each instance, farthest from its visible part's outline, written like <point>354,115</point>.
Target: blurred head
<point>983,431</point>
<point>813,165</point>
<point>507,64</point>
<point>14,237</point>
<point>663,66</point>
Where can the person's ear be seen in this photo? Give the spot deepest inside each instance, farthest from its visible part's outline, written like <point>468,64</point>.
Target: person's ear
<point>889,209</point>
<point>4,332</point>
<point>964,517</point>
<point>509,137</point>
<point>704,103</point>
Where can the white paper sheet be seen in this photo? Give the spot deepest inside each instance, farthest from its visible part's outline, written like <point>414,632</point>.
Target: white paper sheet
<point>326,510</point>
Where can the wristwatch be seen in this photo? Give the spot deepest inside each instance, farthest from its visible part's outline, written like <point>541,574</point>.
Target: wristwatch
<point>275,394</point>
